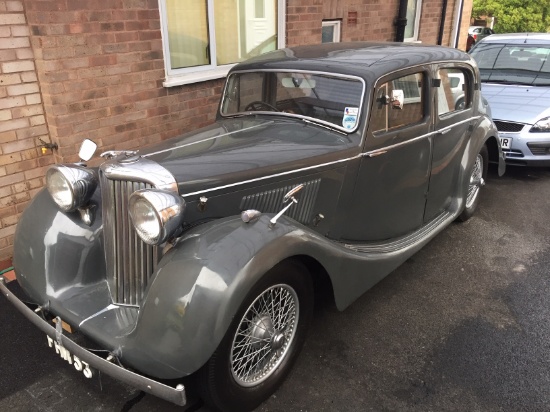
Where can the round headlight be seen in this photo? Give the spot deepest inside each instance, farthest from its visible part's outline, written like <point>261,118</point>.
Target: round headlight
<point>156,214</point>
<point>70,187</point>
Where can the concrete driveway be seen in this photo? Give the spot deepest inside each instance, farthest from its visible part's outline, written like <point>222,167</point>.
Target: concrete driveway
<point>463,325</point>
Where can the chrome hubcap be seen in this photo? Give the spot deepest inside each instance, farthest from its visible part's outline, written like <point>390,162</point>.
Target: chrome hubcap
<point>277,341</point>
<point>476,181</point>
<point>264,335</point>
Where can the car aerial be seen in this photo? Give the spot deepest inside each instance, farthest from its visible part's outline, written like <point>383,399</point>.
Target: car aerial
<point>515,76</point>
<point>327,167</point>
<point>479,32</point>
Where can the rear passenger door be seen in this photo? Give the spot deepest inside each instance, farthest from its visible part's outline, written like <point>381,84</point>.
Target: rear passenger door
<point>453,111</point>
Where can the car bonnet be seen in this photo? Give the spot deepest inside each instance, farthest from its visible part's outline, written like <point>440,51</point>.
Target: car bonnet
<point>522,104</point>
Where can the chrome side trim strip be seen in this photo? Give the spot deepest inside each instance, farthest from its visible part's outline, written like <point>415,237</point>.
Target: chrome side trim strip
<point>207,139</point>
<point>372,153</point>
<point>444,130</point>
<point>271,176</point>
<point>382,150</point>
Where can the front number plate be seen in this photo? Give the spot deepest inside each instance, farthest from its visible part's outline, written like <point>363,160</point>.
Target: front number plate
<point>506,142</point>
<point>78,364</point>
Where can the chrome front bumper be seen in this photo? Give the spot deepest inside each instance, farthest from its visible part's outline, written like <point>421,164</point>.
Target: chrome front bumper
<point>175,395</point>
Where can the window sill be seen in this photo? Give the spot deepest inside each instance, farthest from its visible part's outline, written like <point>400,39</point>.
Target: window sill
<point>196,77</point>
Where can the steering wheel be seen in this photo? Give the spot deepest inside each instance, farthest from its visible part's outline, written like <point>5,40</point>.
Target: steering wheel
<point>259,105</point>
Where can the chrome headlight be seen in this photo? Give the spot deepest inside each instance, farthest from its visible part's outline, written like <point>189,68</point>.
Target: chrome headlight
<point>542,126</point>
<point>70,186</point>
<point>156,214</point>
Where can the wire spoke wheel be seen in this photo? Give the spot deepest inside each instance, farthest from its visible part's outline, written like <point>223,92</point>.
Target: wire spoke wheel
<point>476,181</point>
<point>264,335</point>
<point>262,342</point>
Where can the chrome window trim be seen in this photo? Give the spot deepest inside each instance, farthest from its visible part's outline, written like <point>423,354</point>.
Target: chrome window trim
<point>312,119</point>
<point>371,153</point>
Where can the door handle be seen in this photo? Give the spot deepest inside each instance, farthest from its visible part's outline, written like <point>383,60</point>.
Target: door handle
<point>445,130</point>
<point>374,153</point>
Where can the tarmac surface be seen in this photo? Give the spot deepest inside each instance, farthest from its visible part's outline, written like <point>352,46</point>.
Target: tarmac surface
<point>464,325</point>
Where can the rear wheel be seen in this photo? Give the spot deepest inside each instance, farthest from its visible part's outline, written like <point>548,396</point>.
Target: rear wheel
<point>478,174</point>
<point>262,343</point>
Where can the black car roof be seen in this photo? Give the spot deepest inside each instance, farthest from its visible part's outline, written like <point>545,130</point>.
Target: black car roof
<point>364,59</point>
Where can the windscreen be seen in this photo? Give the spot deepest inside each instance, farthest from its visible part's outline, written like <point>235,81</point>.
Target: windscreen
<point>513,63</point>
<point>327,99</point>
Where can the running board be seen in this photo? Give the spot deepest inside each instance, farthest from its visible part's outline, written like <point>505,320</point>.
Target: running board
<point>402,242</point>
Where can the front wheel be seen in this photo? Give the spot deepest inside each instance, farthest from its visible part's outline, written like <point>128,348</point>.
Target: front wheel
<point>478,174</point>
<point>263,341</point>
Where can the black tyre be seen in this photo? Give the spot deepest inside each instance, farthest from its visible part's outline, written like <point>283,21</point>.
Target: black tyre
<point>262,343</point>
<point>478,174</point>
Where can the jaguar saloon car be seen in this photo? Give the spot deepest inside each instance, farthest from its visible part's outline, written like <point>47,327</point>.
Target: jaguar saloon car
<point>515,73</point>
<point>327,167</point>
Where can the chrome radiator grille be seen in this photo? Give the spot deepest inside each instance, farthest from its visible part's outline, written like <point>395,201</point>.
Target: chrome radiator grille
<point>130,261</point>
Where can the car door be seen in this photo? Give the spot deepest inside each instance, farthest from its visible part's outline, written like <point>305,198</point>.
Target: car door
<point>453,111</point>
<point>389,195</point>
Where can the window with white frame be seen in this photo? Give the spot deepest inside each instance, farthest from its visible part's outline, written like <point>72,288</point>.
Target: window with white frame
<point>414,8</point>
<point>330,32</point>
<point>203,39</point>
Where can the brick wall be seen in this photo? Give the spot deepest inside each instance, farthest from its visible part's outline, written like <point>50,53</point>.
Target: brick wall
<point>465,23</point>
<point>430,21</point>
<point>101,72</point>
<point>22,122</point>
<point>374,20</point>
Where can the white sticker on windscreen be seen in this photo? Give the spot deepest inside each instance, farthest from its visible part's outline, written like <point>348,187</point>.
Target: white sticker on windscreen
<point>350,117</point>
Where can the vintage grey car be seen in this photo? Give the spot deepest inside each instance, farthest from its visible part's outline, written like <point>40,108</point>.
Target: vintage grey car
<point>327,167</point>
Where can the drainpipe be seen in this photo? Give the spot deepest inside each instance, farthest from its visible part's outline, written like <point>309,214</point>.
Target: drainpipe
<point>442,23</point>
<point>401,21</point>
<point>458,22</point>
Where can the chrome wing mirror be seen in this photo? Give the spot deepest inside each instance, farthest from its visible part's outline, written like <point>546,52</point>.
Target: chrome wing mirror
<point>397,99</point>
<point>289,197</point>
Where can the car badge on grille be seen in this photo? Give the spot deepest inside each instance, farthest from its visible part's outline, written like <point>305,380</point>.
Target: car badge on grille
<point>125,155</point>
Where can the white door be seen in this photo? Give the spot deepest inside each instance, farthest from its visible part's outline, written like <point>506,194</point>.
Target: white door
<point>260,25</point>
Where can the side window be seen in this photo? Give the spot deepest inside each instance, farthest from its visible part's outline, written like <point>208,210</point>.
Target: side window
<point>398,103</point>
<point>453,94</point>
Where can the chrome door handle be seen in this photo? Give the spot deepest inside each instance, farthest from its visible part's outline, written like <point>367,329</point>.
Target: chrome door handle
<point>375,153</point>
<point>445,131</point>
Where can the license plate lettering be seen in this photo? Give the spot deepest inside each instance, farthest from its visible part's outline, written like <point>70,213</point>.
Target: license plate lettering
<point>78,364</point>
<point>506,142</point>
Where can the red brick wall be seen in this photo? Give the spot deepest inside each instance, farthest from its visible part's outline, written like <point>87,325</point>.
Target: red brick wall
<point>101,72</point>
<point>22,123</point>
<point>375,20</point>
